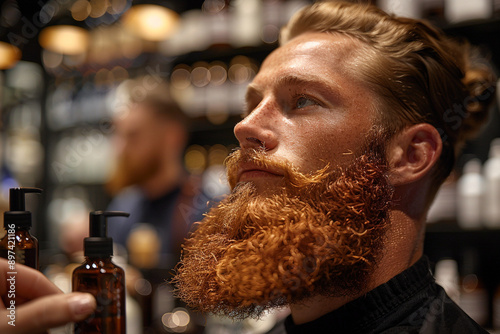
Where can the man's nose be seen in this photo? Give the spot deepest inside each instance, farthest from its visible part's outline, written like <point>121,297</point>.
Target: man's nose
<point>259,128</point>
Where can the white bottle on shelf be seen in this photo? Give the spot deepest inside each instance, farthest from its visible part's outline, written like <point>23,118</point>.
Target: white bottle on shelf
<point>470,190</point>
<point>401,8</point>
<point>456,11</point>
<point>491,201</point>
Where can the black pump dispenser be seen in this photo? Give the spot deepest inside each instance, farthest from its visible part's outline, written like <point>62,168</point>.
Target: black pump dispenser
<point>18,245</point>
<point>98,244</point>
<point>102,278</point>
<point>17,213</point>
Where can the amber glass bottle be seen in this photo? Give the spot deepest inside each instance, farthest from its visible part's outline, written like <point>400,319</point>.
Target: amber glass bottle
<point>18,245</point>
<point>102,278</point>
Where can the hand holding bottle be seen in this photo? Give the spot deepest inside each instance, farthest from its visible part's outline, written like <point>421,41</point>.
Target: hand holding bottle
<point>38,304</point>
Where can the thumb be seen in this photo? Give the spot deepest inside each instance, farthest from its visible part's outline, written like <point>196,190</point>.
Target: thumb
<point>51,311</point>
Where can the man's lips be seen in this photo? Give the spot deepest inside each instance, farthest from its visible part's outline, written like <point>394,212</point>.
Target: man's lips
<point>249,172</point>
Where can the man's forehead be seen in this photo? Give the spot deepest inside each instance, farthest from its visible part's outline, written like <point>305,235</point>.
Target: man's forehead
<point>326,56</point>
<point>313,44</point>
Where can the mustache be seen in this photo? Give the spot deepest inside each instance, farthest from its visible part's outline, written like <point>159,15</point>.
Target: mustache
<point>293,177</point>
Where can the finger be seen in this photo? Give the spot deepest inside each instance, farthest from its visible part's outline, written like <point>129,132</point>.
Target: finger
<point>29,283</point>
<point>48,312</point>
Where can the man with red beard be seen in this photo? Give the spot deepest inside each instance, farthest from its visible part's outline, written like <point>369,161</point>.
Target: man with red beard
<point>351,126</point>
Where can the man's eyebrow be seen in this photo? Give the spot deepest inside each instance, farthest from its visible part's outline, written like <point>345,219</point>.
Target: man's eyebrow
<point>310,80</point>
<point>294,80</point>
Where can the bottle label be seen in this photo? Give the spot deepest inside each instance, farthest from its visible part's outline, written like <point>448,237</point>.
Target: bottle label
<point>109,291</point>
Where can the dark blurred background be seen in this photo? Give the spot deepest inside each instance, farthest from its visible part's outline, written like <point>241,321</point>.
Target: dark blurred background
<point>62,63</point>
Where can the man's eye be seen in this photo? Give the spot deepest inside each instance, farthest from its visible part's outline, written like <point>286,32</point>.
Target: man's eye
<point>303,102</point>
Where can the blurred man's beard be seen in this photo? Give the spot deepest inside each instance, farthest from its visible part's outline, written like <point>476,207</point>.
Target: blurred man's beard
<point>127,173</point>
<point>319,234</point>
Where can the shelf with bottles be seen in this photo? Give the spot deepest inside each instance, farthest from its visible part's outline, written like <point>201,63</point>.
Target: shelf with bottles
<point>475,229</point>
<point>478,21</point>
<point>82,100</point>
<point>22,92</point>
<point>471,227</point>
<point>475,266</point>
<point>80,155</point>
<point>470,284</point>
<point>211,86</point>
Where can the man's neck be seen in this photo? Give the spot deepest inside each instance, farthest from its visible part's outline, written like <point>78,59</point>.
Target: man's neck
<point>163,182</point>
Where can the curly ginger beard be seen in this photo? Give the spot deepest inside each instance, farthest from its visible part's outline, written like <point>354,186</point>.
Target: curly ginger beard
<point>319,234</point>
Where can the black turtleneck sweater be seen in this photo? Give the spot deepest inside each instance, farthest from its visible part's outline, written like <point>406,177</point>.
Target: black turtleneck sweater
<point>411,302</point>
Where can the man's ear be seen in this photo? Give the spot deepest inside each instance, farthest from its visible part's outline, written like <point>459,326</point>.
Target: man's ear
<point>413,153</point>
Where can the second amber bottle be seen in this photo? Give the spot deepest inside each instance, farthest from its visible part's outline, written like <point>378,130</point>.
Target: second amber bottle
<point>102,278</point>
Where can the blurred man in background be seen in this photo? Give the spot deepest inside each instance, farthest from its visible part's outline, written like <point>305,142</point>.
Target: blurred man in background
<point>149,180</point>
